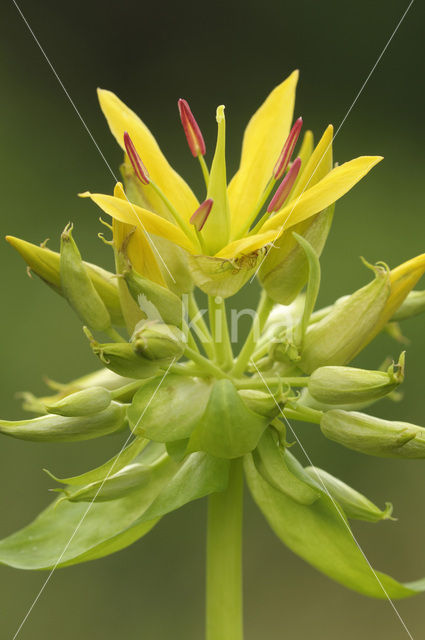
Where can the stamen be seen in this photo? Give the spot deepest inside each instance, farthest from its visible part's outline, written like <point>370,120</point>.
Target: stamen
<point>288,150</point>
<point>285,187</point>
<point>138,166</point>
<point>192,131</point>
<point>201,214</point>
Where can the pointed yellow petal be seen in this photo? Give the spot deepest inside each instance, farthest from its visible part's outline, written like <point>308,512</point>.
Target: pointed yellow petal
<point>304,154</point>
<point>149,222</point>
<point>263,140</point>
<point>403,278</point>
<point>246,245</point>
<point>332,187</point>
<point>120,118</point>
<point>318,165</point>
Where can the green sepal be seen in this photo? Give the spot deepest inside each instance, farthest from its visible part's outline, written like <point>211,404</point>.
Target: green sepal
<point>177,449</point>
<point>81,403</point>
<point>78,287</point>
<point>170,412</point>
<point>115,464</point>
<point>320,534</point>
<point>227,429</point>
<point>45,263</point>
<point>270,462</point>
<point>154,300</point>
<point>199,476</point>
<point>53,428</point>
<point>354,504</point>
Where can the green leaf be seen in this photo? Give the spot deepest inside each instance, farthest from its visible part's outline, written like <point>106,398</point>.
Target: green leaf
<point>68,533</point>
<point>170,412</point>
<point>228,429</point>
<point>320,535</point>
<point>200,475</point>
<point>271,464</point>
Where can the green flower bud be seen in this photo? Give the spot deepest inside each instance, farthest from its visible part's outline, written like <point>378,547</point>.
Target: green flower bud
<point>121,358</point>
<point>158,341</point>
<point>285,270</point>
<point>155,301</point>
<point>82,403</point>
<point>54,428</point>
<point>46,265</point>
<point>347,385</point>
<point>374,436</point>
<point>78,288</point>
<point>343,332</point>
<point>413,305</point>
<point>260,402</point>
<point>354,504</point>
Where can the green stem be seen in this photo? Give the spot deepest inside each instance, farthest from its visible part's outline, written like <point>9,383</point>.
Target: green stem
<point>263,311</point>
<point>204,168</point>
<point>206,365</point>
<point>304,414</point>
<point>199,326</point>
<point>260,383</point>
<point>220,331</point>
<point>224,560</point>
<point>114,335</point>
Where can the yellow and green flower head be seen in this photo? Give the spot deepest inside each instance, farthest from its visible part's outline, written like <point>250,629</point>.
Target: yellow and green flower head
<point>228,233</point>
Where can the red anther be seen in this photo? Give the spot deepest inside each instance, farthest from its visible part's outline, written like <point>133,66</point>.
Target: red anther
<point>199,218</point>
<point>288,150</point>
<point>193,133</point>
<point>138,166</point>
<point>284,189</point>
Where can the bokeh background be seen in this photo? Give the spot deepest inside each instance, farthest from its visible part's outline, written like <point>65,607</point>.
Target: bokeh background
<point>211,53</point>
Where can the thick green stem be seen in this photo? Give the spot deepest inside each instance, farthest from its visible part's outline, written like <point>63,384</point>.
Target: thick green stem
<point>260,383</point>
<point>263,311</point>
<point>199,326</point>
<point>220,332</point>
<point>206,365</point>
<point>224,560</point>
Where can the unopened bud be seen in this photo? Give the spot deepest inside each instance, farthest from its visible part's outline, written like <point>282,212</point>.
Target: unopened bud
<point>347,385</point>
<point>413,305</point>
<point>54,428</point>
<point>158,341</point>
<point>156,302</point>
<point>46,265</point>
<point>343,332</point>
<point>260,402</point>
<point>374,436</point>
<point>78,288</point>
<point>191,128</point>
<point>354,504</point>
<point>81,403</point>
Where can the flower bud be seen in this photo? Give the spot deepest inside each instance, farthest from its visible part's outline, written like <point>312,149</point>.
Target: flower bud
<point>78,288</point>
<point>81,403</point>
<point>54,428</point>
<point>158,341</point>
<point>156,302</point>
<point>121,358</point>
<point>260,402</point>
<point>354,504</point>
<point>347,385</point>
<point>413,305</point>
<point>374,436</point>
<point>46,265</point>
<point>343,332</point>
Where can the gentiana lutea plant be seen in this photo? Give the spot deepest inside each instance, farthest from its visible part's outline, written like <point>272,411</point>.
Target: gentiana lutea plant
<point>200,420</point>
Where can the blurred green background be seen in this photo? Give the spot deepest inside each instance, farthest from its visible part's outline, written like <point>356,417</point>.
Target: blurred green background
<point>234,53</point>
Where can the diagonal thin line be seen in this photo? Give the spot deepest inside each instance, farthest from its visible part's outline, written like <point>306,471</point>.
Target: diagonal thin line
<point>338,510</point>
<point>91,135</point>
<point>281,229</point>
<point>45,583</point>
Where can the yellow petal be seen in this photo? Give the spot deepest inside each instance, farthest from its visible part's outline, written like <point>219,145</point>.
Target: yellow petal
<point>304,154</point>
<point>403,278</point>
<point>332,187</point>
<point>139,248</point>
<point>318,165</point>
<point>149,222</point>
<point>246,245</point>
<point>263,140</point>
<point>120,118</point>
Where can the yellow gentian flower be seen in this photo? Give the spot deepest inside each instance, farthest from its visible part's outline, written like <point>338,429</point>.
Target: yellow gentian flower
<point>226,248</point>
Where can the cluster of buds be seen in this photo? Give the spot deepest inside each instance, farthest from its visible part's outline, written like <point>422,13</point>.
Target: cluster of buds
<point>192,406</point>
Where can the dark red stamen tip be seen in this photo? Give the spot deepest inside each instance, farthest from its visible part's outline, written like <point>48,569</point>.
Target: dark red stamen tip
<point>192,131</point>
<point>284,189</point>
<point>199,218</point>
<point>287,150</point>
<point>138,166</point>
